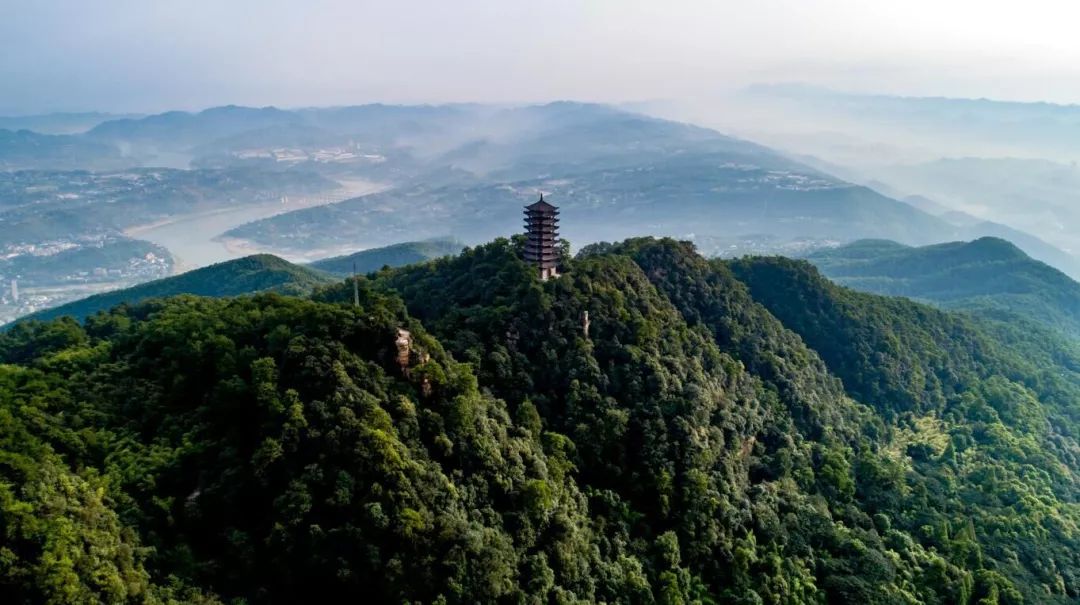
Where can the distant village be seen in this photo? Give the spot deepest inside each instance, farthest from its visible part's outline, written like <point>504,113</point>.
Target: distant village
<point>24,290</point>
<point>348,154</point>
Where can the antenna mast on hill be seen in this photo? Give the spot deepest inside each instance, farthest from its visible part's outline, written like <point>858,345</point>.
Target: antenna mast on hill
<point>355,287</point>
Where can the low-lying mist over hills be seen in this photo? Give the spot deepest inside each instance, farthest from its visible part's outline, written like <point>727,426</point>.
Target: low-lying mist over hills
<point>1007,162</point>
<point>312,183</point>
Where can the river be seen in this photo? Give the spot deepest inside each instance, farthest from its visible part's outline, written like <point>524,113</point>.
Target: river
<point>191,238</point>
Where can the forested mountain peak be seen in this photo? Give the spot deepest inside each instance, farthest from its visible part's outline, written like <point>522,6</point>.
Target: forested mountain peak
<point>395,255</point>
<point>717,431</point>
<point>989,277</point>
<point>246,275</point>
<point>983,249</point>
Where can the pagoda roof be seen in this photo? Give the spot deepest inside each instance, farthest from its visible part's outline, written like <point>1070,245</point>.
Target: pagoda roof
<point>540,205</point>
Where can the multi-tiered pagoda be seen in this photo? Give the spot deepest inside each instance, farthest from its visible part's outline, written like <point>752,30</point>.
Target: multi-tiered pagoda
<point>542,231</point>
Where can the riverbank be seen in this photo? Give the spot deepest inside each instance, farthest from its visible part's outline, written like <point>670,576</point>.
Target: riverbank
<point>195,240</point>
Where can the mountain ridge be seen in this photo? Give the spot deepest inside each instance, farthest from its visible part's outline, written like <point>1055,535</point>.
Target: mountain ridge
<point>989,275</point>
<point>246,275</point>
<point>394,255</point>
<point>461,168</point>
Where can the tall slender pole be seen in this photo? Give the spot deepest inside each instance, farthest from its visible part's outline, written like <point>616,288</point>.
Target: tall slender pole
<point>355,287</point>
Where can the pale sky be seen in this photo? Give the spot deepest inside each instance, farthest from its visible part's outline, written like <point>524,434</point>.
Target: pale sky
<point>154,55</point>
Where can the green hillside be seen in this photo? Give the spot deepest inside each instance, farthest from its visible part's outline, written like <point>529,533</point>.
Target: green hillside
<point>396,255</point>
<point>256,273</point>
<point>651,427</point>
<point>988,276</point>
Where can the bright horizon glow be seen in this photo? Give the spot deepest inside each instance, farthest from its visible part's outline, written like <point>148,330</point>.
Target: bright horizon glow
<point>137,56</point>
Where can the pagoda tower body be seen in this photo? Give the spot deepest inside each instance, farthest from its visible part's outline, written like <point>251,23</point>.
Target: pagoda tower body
<point>542,234</point>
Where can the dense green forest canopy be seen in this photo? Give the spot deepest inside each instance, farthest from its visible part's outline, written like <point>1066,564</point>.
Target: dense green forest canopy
<point>988,276</point>
<point>651,427</point>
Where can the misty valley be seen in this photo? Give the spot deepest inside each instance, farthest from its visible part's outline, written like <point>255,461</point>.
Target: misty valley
<point>94,211</point>
<point>261,355</point>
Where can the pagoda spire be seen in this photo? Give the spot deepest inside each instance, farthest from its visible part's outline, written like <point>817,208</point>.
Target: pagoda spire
<point>541,237</point>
